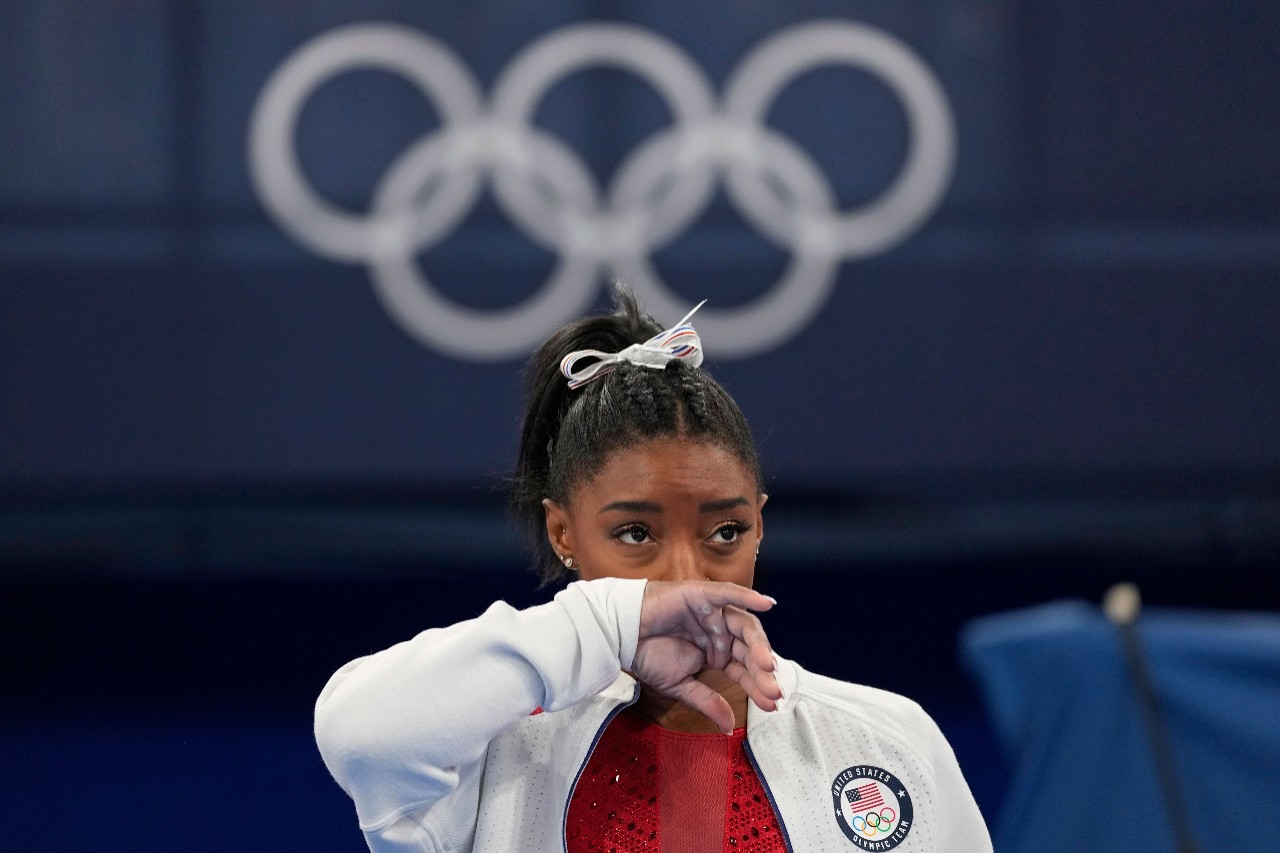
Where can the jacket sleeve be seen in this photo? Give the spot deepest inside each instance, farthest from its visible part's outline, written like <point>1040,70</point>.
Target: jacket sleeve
<point>405,731</point>
<point>961,827</point>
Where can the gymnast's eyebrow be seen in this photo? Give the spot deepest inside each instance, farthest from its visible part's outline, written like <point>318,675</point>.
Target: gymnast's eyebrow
<point>631,506</point>
<point>723,504</point>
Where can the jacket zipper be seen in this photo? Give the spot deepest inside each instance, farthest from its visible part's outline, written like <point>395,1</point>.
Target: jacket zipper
<point>617,709</point>
<point>768,792</point>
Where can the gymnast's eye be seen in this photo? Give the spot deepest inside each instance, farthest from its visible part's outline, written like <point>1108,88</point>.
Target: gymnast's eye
<point>729,533</point>
<point>632,534</point>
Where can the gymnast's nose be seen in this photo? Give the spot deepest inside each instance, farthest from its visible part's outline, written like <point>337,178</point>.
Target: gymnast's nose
<point>682,562</point>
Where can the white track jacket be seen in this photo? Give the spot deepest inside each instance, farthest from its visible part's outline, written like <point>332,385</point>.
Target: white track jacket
<point>434,741</point>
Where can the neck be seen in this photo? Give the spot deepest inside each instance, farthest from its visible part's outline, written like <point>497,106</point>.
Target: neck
<point>676,716</point>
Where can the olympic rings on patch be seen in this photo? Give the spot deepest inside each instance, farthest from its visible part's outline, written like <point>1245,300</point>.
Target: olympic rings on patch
<point>548,191</point>
<point>875,822</point>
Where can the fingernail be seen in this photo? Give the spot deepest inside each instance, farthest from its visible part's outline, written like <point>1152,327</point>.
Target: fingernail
<point>772,600</point>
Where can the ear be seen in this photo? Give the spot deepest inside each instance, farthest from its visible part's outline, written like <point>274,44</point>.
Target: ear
<point>558,528</point>
<point>760,502</point>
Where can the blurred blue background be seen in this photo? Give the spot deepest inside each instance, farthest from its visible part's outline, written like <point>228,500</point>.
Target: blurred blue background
<point>226,467</point>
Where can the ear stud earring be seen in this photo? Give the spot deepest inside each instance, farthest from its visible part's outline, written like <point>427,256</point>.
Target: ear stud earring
<point>568,562</point>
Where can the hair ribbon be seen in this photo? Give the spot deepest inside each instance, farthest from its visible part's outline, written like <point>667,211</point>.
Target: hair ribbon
<point>680,341</point>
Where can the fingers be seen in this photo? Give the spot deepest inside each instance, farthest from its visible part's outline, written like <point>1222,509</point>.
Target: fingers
<point>663,662</point>
<point>719,594</point>
<point>751,645</point>
<point>670,606</point>
<point>761,686</point>
<point>705,614</point>
<point>720,640</point>
<point>669,666</point>
<point>753,663</point>
<point>706,625</point>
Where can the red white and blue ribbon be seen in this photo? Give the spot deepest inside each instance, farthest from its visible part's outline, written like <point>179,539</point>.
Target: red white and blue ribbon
<point>680,341</point>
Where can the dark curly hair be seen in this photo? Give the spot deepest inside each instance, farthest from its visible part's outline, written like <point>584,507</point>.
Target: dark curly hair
<point>568,436</point>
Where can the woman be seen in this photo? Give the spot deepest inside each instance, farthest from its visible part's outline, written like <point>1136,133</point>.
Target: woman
<point>643,707</point>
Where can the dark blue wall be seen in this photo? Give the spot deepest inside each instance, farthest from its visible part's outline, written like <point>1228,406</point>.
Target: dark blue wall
<point>225,467</point>
<point>1094,293</point>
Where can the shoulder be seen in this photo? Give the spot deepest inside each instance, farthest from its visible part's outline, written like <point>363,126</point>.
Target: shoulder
<point>829,733</point>
<point>858,699</point>
<point>890,714</point>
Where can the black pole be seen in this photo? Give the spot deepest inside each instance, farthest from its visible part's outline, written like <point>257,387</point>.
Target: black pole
<point>1122,605</point>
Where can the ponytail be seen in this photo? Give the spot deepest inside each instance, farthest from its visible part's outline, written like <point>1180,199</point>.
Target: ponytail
<point>548,398</point>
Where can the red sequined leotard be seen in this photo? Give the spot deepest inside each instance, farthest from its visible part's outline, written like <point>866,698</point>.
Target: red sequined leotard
<point>648,788</point>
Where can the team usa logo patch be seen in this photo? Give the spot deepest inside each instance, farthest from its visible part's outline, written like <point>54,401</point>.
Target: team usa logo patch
<point>872,807</point>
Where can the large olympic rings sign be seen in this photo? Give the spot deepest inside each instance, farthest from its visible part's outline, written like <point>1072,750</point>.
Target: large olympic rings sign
<point>550,194</point>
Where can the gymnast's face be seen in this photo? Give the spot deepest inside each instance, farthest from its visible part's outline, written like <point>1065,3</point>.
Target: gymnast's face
<point>668,509</point>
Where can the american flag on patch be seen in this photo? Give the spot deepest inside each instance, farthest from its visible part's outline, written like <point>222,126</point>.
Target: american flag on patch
<point>865,799</point>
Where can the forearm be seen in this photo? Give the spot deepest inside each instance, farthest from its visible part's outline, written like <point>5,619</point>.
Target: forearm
<point>395,728</point>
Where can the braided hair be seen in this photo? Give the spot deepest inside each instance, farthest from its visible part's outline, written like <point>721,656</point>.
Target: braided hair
<point>569,435</point>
